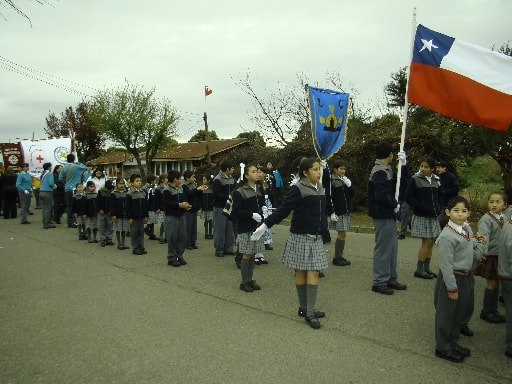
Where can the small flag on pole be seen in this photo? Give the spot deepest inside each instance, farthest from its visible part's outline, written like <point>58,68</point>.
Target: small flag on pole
<point>207,91</point>
<point>328,119</point>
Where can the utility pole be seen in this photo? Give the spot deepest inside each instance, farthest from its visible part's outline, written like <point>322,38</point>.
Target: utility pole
<point>207,139</point>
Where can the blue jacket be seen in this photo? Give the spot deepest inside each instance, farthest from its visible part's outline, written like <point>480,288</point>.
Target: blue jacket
<point>23,182</point>
<point>193,196</point>
<point>71,175</point>
<point>172,196</point>
<point>338,195</point>
<point>222,187</point>
<point>47,181</point>
<point>136,203</point>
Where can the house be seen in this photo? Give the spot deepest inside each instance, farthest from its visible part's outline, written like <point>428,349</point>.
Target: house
<point>181,157</point>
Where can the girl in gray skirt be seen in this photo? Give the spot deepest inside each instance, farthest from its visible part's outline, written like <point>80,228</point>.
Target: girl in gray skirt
<point>304,250</point>
<point>248,201</point>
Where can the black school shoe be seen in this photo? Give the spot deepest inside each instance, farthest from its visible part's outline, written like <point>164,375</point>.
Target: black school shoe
<point>397,286</point>
<point>451,355</point>
<point>491,317</point>
<point>302,313</point>
<point>313,322</point>
<point>174,263</point>
<point>382,289</point>
<point>466,331</point>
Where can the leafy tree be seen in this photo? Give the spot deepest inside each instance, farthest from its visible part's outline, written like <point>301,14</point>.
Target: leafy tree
<point>88,141</point>
<point>395,89</point>
<point>134,119</point>
<point>201,136</point>
<point>254,137</point>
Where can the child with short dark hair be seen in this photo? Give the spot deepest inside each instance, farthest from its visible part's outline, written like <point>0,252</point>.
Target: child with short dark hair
<point>207,207</point>
<point>119,213</point>
<point>458,250</point>
<point>104,219</point>
<point>149,189</point>
<point>91,212</point>
<point>137,214</point>
<point>78,209</point>
<point>175,205</point>
<point>193,194</point>
<point>159,206</point>
<point>338,193</point>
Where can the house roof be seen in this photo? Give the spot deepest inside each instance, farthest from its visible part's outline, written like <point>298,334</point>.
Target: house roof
<point>197,150</point>
<point>114,157</point>
<point>182,151</point>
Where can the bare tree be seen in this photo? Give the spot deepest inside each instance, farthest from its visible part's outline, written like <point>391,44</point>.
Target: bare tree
<point>11,4</point>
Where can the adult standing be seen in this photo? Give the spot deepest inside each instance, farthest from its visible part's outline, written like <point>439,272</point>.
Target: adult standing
<point>24,187</point>
<point>97,177</point>
<point>70,175</point>
<point>383,208</point>
<point>46,195</point>
<point>9,194</point>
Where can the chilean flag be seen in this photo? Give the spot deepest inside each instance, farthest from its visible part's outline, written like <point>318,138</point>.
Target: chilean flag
<point>461,80</point>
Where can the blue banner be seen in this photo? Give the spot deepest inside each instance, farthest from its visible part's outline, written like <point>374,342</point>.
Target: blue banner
<point>328,120</point>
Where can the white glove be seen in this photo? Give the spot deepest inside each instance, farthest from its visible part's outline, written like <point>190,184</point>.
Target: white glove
<point>334,217</point>
<point>264,210</point>
<point>26,192</point>
<point>402,157</point>
<point>259,232</point>
<point>256,217</point>
<point>346,180</point>
<point>397,209</point>
<point>323,163</point>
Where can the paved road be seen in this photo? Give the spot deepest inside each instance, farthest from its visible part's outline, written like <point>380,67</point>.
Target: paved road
<point>73,312</point>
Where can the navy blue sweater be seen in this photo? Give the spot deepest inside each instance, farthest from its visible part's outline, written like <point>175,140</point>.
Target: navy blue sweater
<point>308,206</point>
<point>247,201</point>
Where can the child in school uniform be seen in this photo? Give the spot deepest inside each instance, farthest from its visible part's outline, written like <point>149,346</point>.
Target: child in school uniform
<point>248,201</point>
<point>458,250</point>
<point>137,213</point>
<point>490,226</point>
<point>78,209</point>
<point>193,194</point>
<point>304,250</point>
<point>150,201</point>
<point>505,277</point>
<point>159,208</point>
<point>91,212</point>
<point>104,219</point>
<point>338,193</point>
<point>175,205</point>
<point>422,194</point>
<point>207,207</point>
<point>119,213</point>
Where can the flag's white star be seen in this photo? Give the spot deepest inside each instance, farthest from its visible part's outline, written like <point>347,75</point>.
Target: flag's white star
<point>427,45</point>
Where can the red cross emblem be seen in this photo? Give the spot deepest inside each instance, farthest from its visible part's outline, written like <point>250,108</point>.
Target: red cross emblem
<point>40,158</point>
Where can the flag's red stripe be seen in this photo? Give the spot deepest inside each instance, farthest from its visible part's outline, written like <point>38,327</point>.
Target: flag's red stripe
<point>459,97</point>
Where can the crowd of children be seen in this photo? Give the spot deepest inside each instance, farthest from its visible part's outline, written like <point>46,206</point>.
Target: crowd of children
<point>166,209</point>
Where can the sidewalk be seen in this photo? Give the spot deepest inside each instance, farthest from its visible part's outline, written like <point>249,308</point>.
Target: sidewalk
<point>73,312</point>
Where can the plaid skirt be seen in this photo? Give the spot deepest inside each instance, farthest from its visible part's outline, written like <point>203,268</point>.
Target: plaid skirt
<point>343,224</point>
<point>304,252</point>
<point>488,268</point>
<point>91,222</point>
<point>425,227</point>
<point>120,225</point>
<point>207,215</point>
<point>151,217</point>
<point>248,247</point>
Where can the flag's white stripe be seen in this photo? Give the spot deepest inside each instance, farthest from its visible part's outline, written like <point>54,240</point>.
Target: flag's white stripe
<point>487,67</point>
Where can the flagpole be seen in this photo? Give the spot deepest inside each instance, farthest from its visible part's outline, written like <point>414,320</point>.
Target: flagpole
<point>406,106</point>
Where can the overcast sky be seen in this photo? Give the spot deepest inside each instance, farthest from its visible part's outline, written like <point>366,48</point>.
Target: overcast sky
<point>179,47</point>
